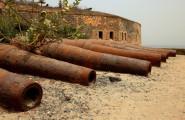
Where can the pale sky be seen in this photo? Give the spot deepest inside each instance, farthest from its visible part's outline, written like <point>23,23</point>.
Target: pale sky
<point>162,21</point>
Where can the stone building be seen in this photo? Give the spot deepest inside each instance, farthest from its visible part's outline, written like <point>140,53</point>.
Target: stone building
<point>106,26</point>
<point>98,25</point>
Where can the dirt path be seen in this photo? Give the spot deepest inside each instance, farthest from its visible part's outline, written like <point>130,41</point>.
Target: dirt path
<point>160,96</point>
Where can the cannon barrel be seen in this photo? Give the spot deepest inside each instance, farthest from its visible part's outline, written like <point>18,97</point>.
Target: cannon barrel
<point>170,53</point>
<point>19,92</point>
<point>164,55</point>
<point>96,60</point>
<point>119,45</point>
<point>147,49</point>
<point>16,60</point>
<point>155,59</point>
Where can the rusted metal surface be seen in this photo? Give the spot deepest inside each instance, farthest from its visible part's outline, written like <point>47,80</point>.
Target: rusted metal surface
<point>156,50</point>
<point>155,59</point>
<point>147,48</point>
<point>107,43</point>
<point>99,42</point>
<point>172,53</point>
<point>18,91</point>
<point>95,60</point>
<point>120,45</point>
<point>164,56</point>
<point>16,60</point>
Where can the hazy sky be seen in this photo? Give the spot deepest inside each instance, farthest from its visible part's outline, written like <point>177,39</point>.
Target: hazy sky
<point>162,21</point>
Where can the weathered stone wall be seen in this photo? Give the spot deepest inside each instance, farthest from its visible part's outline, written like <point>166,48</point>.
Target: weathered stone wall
<point>121,29</point>
<point>94,24</point>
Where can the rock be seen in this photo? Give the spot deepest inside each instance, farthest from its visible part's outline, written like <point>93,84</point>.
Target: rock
<point>154,79</point>
<point>67,98</point>
<point>49,114</point>
<point>114,79</point>
<point>86,108</point>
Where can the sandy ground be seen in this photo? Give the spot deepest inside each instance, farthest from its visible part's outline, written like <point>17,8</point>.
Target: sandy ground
<point>160,96</point>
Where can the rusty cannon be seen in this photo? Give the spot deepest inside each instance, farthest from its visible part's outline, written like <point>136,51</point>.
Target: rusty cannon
<point>19,92</point>
<point>96,60</point>
<point>155,59</point>
<point>16,60</point>
<point>119,45</point>
<point>164,56</point>
<point>171,53</point>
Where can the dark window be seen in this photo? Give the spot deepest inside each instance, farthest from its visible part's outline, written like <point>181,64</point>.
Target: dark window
<point>100,35</point>
<point>125,36</point>
<point>122,36</point>
<point>111,35</point>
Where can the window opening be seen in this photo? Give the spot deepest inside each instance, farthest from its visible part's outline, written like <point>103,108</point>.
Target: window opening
<point>100,35</point>
<point>122,36</point>
<point>111,35</point>
<point>125,36</point>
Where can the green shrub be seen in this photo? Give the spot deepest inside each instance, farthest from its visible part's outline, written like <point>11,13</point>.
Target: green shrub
<point>10,28</point>
<point>67,32</point>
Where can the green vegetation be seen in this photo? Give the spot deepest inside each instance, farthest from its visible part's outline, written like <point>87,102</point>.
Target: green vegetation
<point>47,26</point>
<point>9,26</point>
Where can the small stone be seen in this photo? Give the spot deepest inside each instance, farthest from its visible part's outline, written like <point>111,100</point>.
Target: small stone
<point>49,114</point>
<point>114,79</point>
<point>67,98</point>
<point>97,111</point>
<point>86,108</point>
